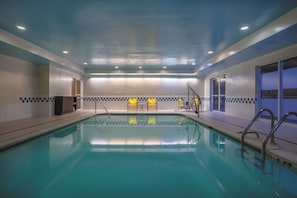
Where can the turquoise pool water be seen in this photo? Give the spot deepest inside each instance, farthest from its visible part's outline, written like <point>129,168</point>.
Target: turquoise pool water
<point>139,156</point>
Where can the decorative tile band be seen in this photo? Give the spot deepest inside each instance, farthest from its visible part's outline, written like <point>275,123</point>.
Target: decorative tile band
<point>142,99</point>
<point>119,99</point>
<point>37,99</point>
<point>241,100</point>
<point>235,100</point>
<point>47,99</point>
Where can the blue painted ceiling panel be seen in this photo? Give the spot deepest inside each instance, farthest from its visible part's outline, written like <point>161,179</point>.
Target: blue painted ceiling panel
<point>273,43</point>
<point>13,51</point>
<point>132,33</point>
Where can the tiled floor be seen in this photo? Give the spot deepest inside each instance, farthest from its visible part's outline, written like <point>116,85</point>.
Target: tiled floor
<point>14,132</point>
<point>285,149</point>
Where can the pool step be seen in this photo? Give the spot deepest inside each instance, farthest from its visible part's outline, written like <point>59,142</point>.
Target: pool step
<point>251,158</point>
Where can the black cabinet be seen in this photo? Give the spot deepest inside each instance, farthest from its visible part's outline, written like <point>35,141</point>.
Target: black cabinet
<point>64,104</point>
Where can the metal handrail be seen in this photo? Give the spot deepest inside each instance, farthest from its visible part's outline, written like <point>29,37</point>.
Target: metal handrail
<point>102,106</point>
<point>245,131</point>
<point>105,122</point>
<point>194,93</point>
<point>271,133</point>
<point>191,140</point>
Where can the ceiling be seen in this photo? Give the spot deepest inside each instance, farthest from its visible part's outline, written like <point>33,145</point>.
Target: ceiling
<point>163,37</point>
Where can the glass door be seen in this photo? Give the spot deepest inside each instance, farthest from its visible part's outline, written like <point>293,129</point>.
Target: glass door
<point>217,94</point>
<point>214,94</point>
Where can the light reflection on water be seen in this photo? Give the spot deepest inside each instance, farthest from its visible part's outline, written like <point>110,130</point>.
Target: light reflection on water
<point>139,156</point>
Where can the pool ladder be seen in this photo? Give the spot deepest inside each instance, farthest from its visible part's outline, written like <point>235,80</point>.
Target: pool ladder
<point>195,94</point>
<point>102,106</point>
<point>245,131</point>
<point>269,135</point>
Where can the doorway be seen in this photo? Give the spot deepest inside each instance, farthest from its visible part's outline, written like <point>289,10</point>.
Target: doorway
<point>217,94</point>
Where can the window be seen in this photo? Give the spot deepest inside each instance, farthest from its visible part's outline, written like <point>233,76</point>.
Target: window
<point>269,89</point>
<point>278,88</point>
<point>289,87</point>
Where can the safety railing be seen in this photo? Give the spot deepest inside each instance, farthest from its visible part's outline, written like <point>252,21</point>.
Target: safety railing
<point>271,134</point>
<point>195,95</point>
<point>102,106</point>
<point>245,131</point>
<point>104,123</point>
<point>195,137</point>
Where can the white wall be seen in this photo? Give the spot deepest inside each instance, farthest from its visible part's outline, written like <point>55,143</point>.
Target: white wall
<point>19,84</point>
<point>240,82</point>
<point>140,86</point>
<point>116,91</point>
<point>60,83</point>
<point>27,89</point>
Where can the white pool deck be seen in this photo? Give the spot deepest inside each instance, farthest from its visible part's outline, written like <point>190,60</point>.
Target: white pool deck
<point>285,149</point>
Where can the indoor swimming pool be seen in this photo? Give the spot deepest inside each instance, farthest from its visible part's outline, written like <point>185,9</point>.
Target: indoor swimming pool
<point>140,155</point>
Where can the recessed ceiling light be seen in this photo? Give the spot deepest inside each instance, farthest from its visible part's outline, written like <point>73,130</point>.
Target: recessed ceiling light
<point>164,67</point>
<point>20,27</point>
<point>139,67</point>
<point>117,67</point>
<point>194,63</point>
<point>85,63</point>
<point>210,52</point>
<point>232,52</point>
<point>65,52</point>
<point>244,28</point>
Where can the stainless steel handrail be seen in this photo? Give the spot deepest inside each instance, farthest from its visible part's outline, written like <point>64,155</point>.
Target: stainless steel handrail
<point>271,133</point>
<point>194,139</point>
<point>102,106</point>
<point>194,93</point>
<point>245,131</point>
<point>105,122</point>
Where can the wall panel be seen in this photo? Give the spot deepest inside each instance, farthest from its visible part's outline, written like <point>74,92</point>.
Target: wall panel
<point>115,91</point>
<point>240,83</point>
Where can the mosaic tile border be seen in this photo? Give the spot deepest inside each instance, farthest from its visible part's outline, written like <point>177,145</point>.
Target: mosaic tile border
<point>141,98</point>
<point>241,100</point>
<point>119,99</point>
<point>38,99</point>
<point>47,99</point>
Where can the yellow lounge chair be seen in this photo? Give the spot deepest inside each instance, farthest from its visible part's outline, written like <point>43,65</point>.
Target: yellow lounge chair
<point>132,104</point>
<point>152,104</point>
<point>180,103</point>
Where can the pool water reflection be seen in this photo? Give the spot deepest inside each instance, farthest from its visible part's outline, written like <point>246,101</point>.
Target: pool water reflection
<point>139,156</point>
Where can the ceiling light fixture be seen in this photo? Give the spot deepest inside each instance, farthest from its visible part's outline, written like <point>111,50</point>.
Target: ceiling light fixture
<point>193,63</point>
<point>210,52</point>
<point>139,67</point>
<point>85,63</point>
<point>117,67</point>
<point>232,52</point>
<point>65,52</point>
<point>244,28</point>
<point>20,27</point>
<point>164,67</point>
